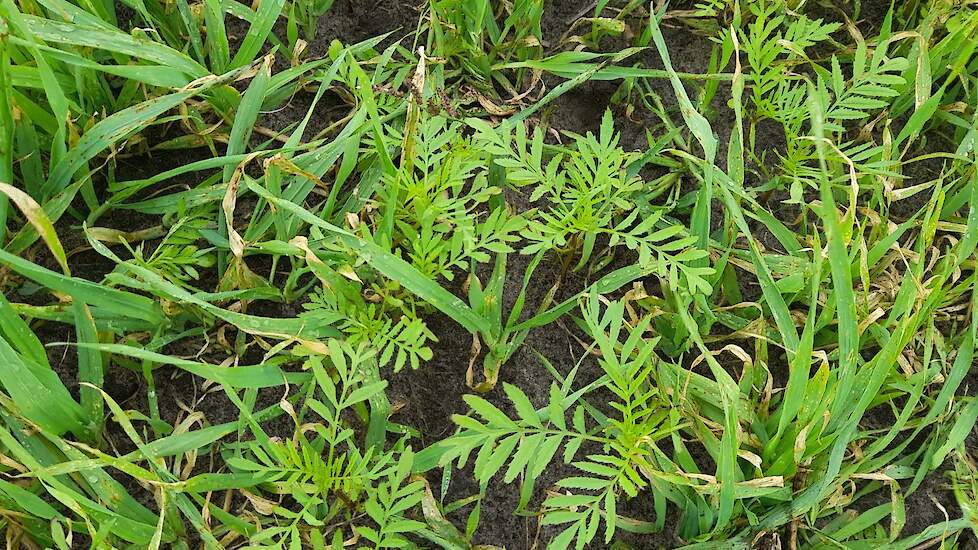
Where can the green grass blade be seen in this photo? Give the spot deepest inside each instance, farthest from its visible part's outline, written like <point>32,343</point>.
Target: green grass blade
<point>91,370</point>
<point>38,393</point>
<point>110,299</point>
<point>261,26</point>
<point>242,377</point>
<point>841,268</point>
